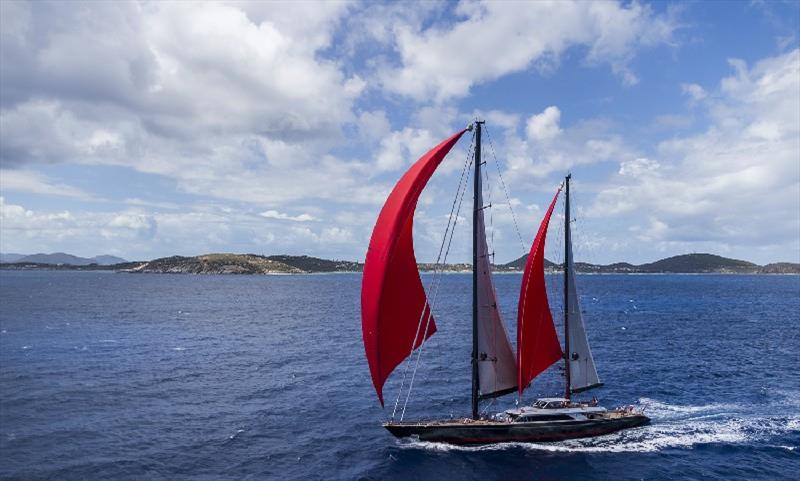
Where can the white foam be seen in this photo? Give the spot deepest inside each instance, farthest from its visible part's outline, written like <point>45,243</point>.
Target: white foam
<point>660,410</point>
<point>178,348</point>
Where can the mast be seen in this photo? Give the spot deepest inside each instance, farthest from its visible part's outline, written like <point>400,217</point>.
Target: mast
<point>567,238</point>
<point>475,234</point>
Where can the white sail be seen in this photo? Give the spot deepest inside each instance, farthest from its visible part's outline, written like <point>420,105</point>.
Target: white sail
<point>497,366</point>
<point>583,374</point>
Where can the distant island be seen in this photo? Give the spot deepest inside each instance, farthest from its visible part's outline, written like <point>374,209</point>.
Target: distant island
<point>286,264</point>
<point>60,258</point>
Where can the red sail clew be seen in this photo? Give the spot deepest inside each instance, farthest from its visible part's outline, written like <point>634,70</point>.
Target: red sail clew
<point>392,297</point>
<point>537,342</point>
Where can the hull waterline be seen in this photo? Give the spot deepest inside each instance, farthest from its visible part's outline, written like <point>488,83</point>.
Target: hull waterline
<point>488,432</point>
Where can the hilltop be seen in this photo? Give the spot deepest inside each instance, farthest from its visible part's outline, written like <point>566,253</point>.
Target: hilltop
<point>681,264</point>
<point>215,264</point>
<point>59,258</point>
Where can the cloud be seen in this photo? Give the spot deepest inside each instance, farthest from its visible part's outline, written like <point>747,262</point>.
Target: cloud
<point>548,147</point>
<point>637,167</point>
<point>401,148</point>
<point>283,127</point>
<point>373,126</point>
<point>251,105</point>
<point>274,214</point>
<point>36,183</point>
<point>138,234</point>
<point>150,203</point>
<point>694,91</point>
<point>443,62</point>
<point>736,184</point>
<point>544,126</point>
<point>130,225</point>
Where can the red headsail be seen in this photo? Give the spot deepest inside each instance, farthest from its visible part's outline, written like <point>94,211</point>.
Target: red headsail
<point>537,342</point>
<point>392,295</point>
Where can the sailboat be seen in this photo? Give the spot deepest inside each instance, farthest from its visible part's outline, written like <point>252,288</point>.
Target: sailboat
<point>397,319</point>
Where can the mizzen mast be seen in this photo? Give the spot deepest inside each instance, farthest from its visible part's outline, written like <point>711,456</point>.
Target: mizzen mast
<point>567,239</point>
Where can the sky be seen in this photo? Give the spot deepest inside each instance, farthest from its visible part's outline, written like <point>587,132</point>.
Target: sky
<point>148,129</point>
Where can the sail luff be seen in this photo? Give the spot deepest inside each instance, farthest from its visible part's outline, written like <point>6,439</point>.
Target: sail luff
<point>393,299</point>
<point>537,342</point>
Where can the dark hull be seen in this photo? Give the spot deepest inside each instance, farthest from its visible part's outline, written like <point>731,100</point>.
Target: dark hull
<point>485,432</point>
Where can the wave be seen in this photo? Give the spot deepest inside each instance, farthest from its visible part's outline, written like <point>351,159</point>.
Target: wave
<point>673,426</point>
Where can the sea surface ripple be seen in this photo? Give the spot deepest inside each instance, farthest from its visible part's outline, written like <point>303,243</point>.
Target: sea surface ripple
<point>125,376</point>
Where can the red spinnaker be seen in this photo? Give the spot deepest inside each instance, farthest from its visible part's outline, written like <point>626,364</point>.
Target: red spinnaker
<point>392,295</point>
<point>537,342</point>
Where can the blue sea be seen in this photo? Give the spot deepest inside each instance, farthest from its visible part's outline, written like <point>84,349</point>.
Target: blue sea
<point>138,376</point>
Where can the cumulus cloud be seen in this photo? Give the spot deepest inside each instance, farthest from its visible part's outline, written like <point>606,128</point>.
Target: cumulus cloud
<point>548,147</point>
<point>285,125</point>
<point>544,126</point>
<point>274,214</point>
<point>446,61</point>
<point>637,167</point>
<point>137,234</point>
<point>115,84</point>
<point>402,147</point>
<point>130,225</point>
<point>737,183</point>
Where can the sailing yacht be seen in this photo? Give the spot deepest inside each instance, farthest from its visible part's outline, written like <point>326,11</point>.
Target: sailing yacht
<point>397,319</point>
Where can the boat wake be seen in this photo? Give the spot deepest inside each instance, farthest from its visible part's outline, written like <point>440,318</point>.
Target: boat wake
<point>673,426</point>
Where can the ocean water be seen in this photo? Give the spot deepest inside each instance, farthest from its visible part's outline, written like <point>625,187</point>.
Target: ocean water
<point>124,376</point>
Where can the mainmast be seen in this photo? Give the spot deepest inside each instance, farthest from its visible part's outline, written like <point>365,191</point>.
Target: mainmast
<point>567,238</point>
<point>475,241</point>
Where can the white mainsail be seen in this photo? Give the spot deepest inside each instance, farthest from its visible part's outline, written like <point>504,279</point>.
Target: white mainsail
<point>497,366</point>
<point>583,374</point>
